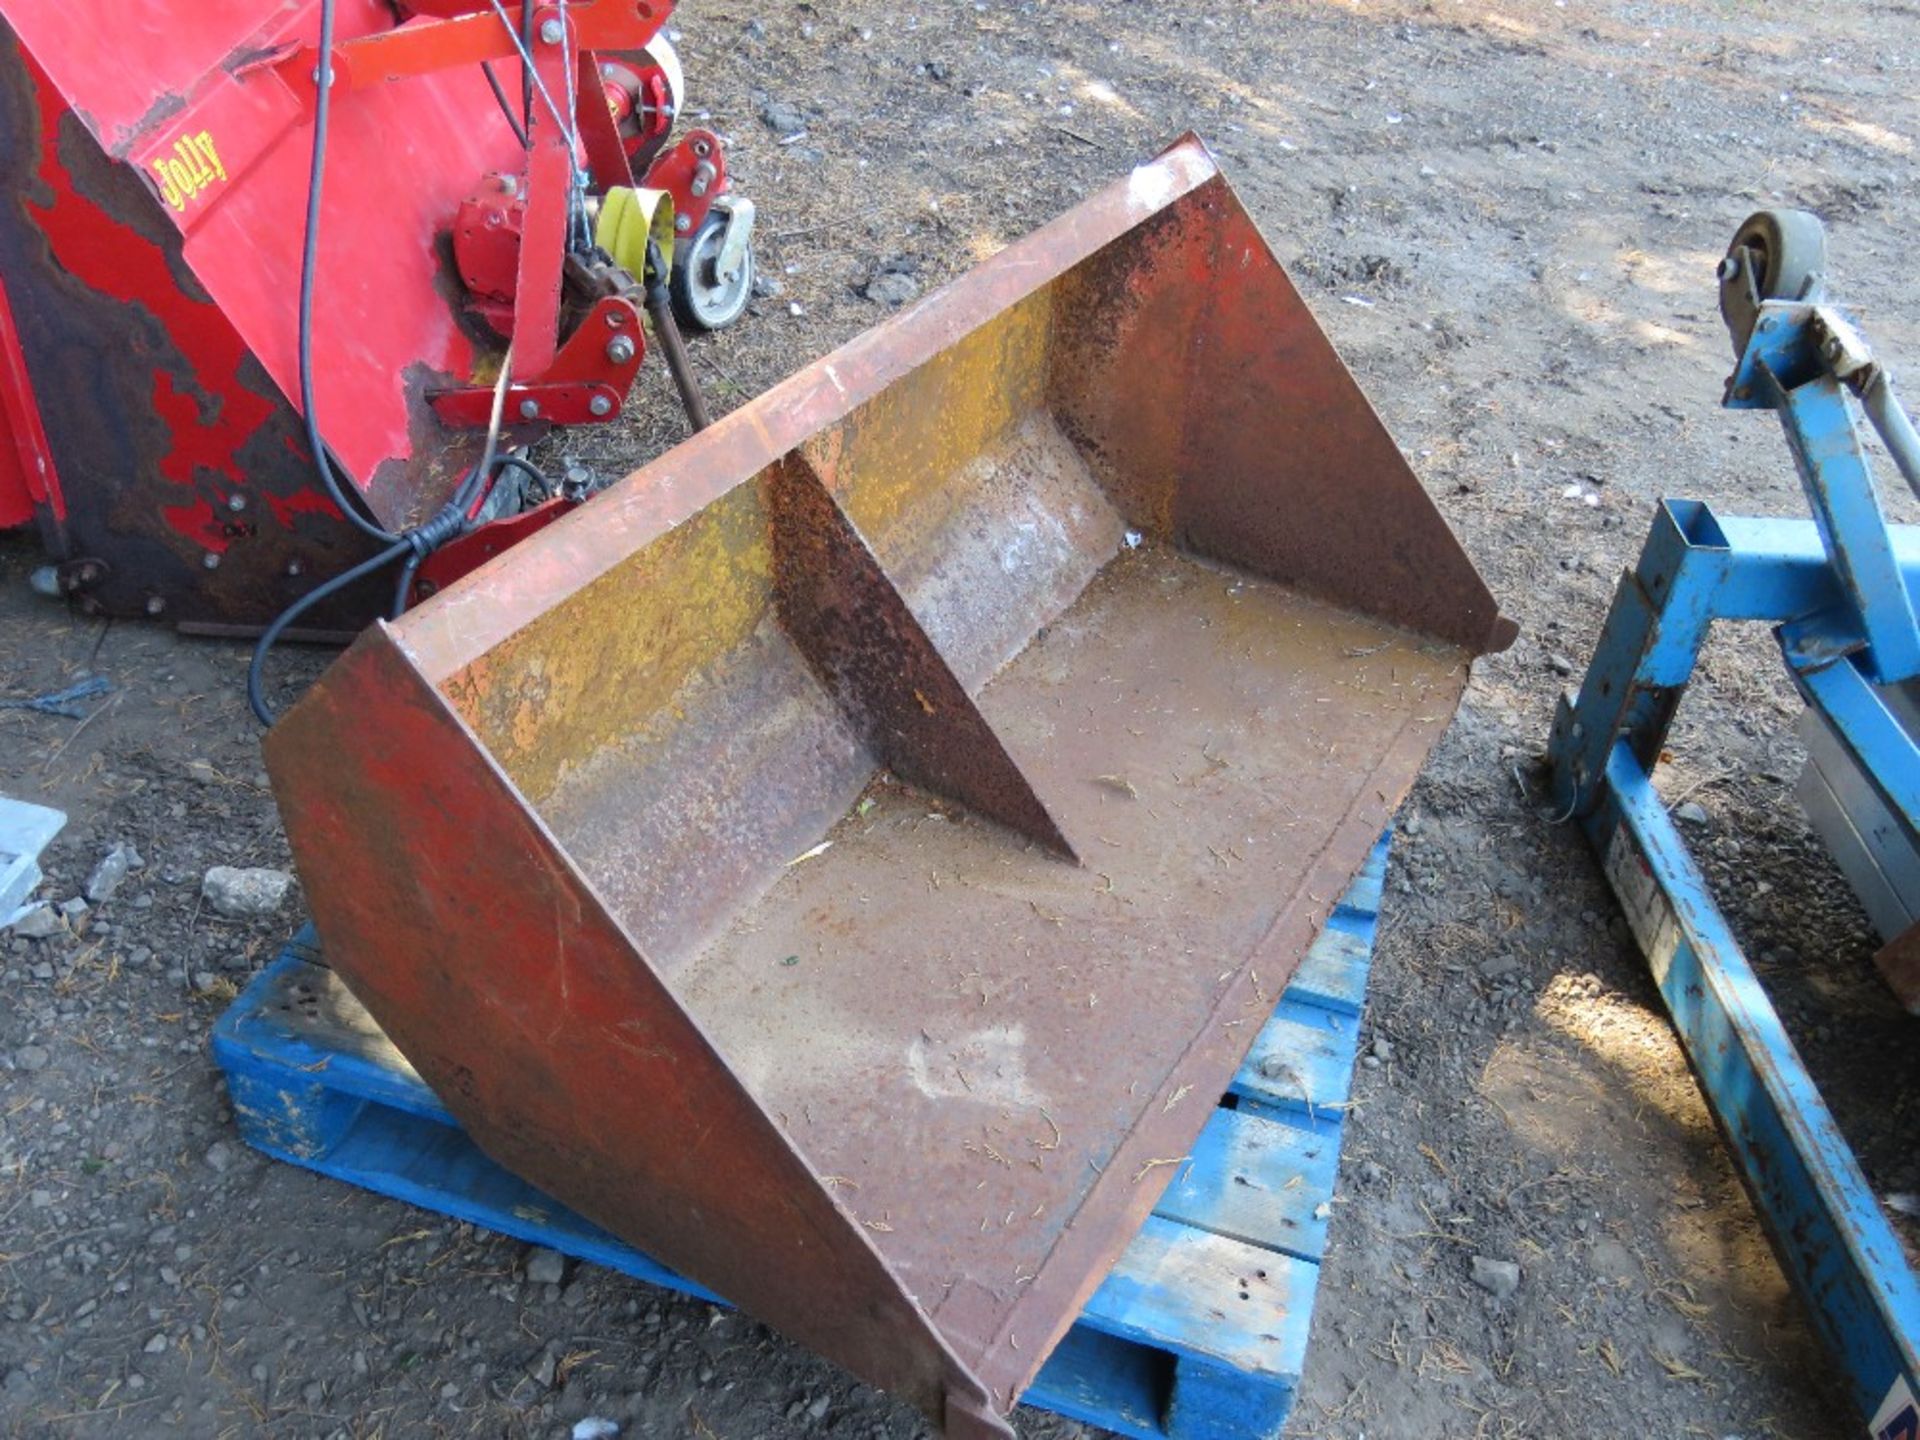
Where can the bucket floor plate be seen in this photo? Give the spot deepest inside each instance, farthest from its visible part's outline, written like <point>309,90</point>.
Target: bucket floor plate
<point>1165,1348</point>
<point>1136,728</point>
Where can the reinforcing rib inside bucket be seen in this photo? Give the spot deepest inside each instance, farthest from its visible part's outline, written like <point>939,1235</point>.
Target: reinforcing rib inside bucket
<point>849,858</point>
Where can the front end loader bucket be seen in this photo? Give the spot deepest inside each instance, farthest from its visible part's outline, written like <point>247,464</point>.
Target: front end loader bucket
<point>848,858</point>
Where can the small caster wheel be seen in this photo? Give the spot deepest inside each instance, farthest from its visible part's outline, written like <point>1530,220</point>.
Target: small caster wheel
<point>1787,249</point>
<point>703,299</point>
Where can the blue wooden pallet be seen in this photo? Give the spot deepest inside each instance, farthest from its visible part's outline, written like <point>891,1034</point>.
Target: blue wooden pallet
<point>1169,1346</point>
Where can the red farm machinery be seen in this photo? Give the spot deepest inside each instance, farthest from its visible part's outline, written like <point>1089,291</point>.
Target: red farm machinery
<point>214,268</point>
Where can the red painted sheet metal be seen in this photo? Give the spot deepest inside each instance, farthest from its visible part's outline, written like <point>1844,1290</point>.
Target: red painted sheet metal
<point>199,502</point>
<point>120,58</point>
<point>168,88</point>
<point>28,481</point>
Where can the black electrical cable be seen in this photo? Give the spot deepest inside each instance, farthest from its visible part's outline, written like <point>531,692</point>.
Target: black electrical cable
<point>271,635</point>
<point>460,508</point>
<point>403,587</point>
<point>526,70</point>
<point>322,460</point>
<point>419,541</point>
<point>506,105</point>
<point>526,467</point>
<point>415,545</point>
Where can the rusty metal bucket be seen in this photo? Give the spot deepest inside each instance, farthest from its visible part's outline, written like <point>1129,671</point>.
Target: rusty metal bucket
<point>848,858</point>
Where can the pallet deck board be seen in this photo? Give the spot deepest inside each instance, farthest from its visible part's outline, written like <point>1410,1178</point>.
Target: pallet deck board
<point>1256,1179</point>
<point>1198,1333</point>
<point>1106,1381</point>
<point>1333,973</point>
<point>1302,1064</point>
<point>1192,1292</point>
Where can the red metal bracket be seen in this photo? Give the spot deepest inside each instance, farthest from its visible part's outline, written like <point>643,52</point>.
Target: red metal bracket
<point>586,384</point>
<point>652,107</point>
<point>694,172</point>
<point>454,33</point>
<point>600,127</point>
<point>476,547</point>
<point>639,102</point>
<point>543,232</point>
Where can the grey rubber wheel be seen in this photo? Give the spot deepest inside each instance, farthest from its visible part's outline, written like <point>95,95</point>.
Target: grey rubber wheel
<point>701,299</point>
<point>1789,248</point>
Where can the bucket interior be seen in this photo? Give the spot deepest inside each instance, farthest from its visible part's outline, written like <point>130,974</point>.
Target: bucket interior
<point>906,800</point>
<point>782,741</point>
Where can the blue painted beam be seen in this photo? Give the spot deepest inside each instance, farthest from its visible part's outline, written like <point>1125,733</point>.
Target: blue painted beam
<point>1849,701</point>
<point>1826,1224</point>
<point>1696,567</point>
<point>1833,471</point>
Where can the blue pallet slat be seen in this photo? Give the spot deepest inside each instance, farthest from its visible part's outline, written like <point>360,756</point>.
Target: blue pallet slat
<point>1106,1381</point>
<point>1213,1401</point>
<point>1192,1292</point>
<point>1333,973</point>
<point>1198,1333</point>
<point>1362,897</point>
<point>1258,1180</point>
<point>1300,1068</point>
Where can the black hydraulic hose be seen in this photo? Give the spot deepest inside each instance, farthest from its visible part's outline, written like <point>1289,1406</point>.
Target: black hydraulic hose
<point>506,105</point>
<point>526,467</point>
<point>403,588</point>
<point>309,258</point>
<point>416,543</point>
<point>451,520</point>
<point>526,70</point>
<point>309,268</point>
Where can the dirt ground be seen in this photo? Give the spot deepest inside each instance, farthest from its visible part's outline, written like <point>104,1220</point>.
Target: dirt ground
<point>1507,216</point>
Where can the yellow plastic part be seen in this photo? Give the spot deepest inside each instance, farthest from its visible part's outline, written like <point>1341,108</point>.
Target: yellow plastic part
<point>630,215</point>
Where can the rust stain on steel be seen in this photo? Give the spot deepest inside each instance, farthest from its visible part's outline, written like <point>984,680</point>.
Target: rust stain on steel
<point>873,657</point>
<point>768,732</point>
<point>470,936</point>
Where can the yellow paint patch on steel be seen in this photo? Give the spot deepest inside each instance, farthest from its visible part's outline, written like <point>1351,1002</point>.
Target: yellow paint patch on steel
<point>889,455</point>
<point>609,663</point>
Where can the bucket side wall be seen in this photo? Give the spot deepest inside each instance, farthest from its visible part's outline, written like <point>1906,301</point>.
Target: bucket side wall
<point>1290,473</point>
<point>458,919</point>
<point>610,663</point>
<point>1218,416</point>
<point>665,727</point>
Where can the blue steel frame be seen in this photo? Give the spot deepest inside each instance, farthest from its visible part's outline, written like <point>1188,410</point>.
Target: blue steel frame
<point>1838,588</point>
<point>1781,368</point>
<point>1698,567</point>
